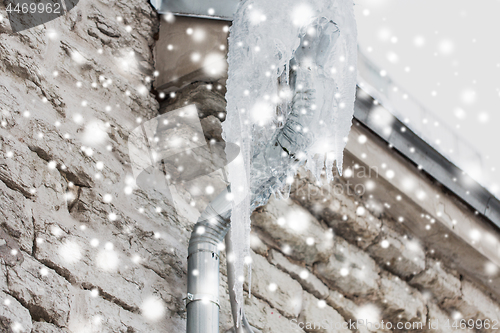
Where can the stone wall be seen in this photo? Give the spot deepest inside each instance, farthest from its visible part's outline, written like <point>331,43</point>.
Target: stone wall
<point>329,258</point>
<point>86,250</point>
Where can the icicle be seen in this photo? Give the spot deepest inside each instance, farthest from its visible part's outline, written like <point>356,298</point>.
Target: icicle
<point>249,280</point>
<point>264,47</point>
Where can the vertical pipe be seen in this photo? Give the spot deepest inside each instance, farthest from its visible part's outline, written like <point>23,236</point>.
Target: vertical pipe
<point>203,269</point>
<point>213,224</point>
<point>203,266</point>
<point>203,289</point>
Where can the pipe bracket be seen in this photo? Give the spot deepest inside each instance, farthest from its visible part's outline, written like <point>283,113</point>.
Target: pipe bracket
<point>201,297</point>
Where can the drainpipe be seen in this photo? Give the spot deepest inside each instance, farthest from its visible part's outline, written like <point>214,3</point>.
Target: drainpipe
<point>203,269</point>
<point>213,225</point>
<point>203,266</point>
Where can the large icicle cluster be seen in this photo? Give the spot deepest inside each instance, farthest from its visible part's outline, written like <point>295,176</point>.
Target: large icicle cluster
<point>264,42</point>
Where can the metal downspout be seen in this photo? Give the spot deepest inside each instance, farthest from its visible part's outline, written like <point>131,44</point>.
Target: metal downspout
<point>203,268</point>
<point>213,225</point>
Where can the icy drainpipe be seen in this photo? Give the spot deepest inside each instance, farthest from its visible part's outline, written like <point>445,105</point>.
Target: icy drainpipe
<point>214,223</point>
<point>203,252</point>
<point>203,268</point>
<point>270,164</point>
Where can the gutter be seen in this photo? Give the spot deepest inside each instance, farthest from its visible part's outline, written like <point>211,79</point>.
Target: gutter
<point>415,149</point>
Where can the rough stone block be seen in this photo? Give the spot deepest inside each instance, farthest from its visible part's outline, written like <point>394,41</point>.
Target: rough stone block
<point>303,275</point>
<point>399,301</point>
<point>13,316</point>
<point>332,204</point>
<point>16,221</point>
<point>438,281</point>
<point>318,317</point>
<point>291,227</point>
<point>349,270</point>
<point>257,245</point>
<point>268,319</point>
<point>274,286</point>
<point>41,290</point>
<point>347,308</point>
<point>474,300</point>
<point>440,321</point>
<point>100,315</point>
<point>23,171</point>
<point>398,254</point>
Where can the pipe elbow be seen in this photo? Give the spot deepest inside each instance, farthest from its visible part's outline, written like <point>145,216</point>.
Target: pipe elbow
<point>213,223</point>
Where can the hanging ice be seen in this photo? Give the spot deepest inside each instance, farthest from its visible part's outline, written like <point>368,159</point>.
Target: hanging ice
<point>290,97</point>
